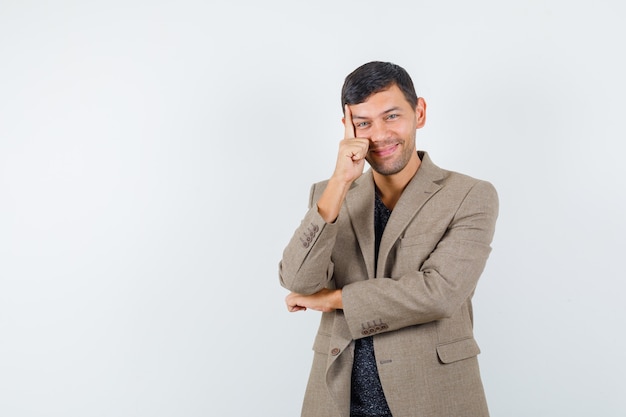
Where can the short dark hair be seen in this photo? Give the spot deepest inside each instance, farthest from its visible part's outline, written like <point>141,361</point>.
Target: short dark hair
<point>375,77</point>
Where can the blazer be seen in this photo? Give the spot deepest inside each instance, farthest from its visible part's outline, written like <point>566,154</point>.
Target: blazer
<point>416,303</point>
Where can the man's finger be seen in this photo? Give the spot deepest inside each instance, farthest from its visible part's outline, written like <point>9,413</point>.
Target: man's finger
<point>347,123</point>
<point>292,303</point>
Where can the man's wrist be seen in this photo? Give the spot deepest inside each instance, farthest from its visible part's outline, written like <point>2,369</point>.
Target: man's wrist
<point>329,204</point>
<point>337,300</point>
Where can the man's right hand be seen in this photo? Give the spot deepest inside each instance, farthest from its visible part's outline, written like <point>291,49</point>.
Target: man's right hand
<point>349,167</point>
<point>352,152</point>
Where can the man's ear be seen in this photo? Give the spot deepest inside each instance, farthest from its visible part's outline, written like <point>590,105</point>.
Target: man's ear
<point>420,112</point>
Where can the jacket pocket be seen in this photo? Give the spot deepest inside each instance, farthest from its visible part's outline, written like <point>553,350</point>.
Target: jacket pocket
<point>424,239</point>
<point>457,350</point>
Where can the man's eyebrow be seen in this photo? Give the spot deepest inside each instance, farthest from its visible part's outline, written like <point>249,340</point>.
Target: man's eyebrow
<point>355,116</point>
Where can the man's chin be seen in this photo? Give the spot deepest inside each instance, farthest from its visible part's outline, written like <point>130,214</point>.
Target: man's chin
<point>384,169</point>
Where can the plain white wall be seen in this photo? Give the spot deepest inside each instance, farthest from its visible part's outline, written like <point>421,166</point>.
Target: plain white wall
<point>155,158</point>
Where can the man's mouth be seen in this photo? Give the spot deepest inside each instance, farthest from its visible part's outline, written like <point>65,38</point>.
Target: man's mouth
<point>383,151</point>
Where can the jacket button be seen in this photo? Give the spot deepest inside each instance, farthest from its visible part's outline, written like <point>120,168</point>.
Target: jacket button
<point>335,352</point>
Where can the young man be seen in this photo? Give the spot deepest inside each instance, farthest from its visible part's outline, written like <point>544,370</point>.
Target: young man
<point>391,257</point>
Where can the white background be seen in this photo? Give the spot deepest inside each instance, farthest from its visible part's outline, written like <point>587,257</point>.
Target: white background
<point>155,158</point>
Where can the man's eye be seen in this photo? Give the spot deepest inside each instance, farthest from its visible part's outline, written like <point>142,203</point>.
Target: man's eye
<point>362,125</point>
<point>392,116</point>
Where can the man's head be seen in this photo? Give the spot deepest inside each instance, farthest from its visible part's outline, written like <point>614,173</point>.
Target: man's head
<point>384,109</point>
<point>374,77</point>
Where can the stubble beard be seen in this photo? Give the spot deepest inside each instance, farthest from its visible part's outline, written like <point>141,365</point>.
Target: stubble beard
<point>394,166</point>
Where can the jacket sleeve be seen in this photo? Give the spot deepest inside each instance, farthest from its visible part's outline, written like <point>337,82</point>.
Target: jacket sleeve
<point>438,287</point>
<point>306,266</point>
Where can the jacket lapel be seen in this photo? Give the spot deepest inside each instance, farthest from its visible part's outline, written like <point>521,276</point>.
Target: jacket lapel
<point>417,192</point>
<point>360,205</point>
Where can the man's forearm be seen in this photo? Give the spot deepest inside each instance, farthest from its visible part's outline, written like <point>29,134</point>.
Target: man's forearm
<point>331,200</point>
<point>325,301</point>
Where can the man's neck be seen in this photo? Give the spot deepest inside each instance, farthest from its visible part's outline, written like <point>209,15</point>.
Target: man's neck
<point>392,186</point>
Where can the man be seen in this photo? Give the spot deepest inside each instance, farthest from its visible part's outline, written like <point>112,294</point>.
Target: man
<point>391,257</point>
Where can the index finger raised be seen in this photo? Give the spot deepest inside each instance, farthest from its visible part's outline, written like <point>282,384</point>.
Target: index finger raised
<point>347,123</point>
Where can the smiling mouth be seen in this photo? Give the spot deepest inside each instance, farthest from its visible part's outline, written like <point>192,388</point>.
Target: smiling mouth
<point>385,150</point>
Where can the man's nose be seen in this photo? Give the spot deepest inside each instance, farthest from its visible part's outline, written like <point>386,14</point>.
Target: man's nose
<point>378,131</point>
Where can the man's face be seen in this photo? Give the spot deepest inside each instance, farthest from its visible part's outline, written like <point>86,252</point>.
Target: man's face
<point>387,119</point>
